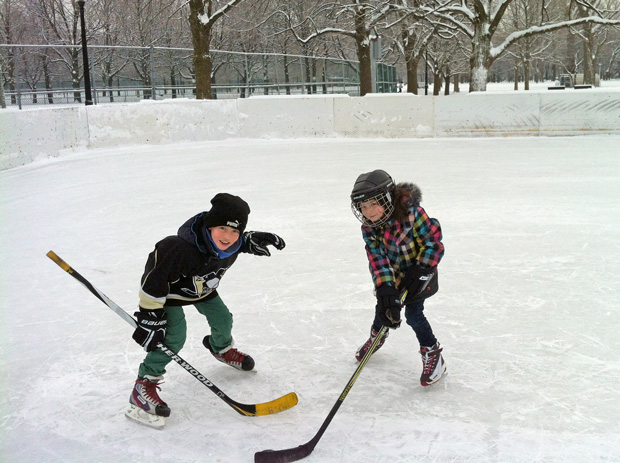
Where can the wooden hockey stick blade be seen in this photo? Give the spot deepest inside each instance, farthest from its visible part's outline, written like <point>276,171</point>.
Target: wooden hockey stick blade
<point>278,405</point>
<point>275,406</point>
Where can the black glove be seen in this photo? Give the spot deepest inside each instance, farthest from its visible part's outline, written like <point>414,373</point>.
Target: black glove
<point>388,306</point>
<point>257,242</point>
<point>420,283</point>
<point>151,328</point>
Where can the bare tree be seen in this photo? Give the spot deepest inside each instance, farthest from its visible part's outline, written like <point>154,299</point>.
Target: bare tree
<point>480,19</point>
<point>12,32</point>
<point>111,34</point>
<point>612,66</point>
<point>593,35</point>
<point>203,16</point>
<point>146,24</point>
<point>410,35</point>
<point>357,19</point>
<point>57,22</point>
<point>521,15</point>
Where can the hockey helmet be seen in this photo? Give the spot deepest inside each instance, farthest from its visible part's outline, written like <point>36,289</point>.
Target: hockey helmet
<point>377,185</point>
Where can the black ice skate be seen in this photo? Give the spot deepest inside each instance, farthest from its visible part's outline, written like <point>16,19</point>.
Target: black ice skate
<point>145,405</point>
<point>231,356</point>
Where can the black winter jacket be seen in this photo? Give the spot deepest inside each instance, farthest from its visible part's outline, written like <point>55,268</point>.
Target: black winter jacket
<point>186,268</point>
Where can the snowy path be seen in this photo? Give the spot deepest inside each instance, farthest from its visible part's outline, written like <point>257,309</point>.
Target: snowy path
<point>527,310</point>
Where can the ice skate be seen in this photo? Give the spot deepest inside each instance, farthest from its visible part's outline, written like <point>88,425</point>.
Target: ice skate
<point>359,355</point>
<point>145,405</point>
<point>433,365</point>
<point>231,356</point>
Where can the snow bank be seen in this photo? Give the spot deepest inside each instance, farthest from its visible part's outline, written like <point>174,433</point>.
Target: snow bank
<point>27,135</point>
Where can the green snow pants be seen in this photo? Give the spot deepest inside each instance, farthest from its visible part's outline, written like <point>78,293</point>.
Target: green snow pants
<point>219,318</point>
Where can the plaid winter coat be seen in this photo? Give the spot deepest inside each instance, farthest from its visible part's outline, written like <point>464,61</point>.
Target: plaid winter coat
<point>395,247</point>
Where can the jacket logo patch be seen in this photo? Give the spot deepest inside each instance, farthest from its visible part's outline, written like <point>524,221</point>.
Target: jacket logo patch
<point>204,284</point>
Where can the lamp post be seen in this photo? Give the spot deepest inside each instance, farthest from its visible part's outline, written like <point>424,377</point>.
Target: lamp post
<point>426,72</point>
<point>88,96</point>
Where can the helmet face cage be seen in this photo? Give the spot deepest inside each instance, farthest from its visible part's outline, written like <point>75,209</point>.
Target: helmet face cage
<point>383,199</point>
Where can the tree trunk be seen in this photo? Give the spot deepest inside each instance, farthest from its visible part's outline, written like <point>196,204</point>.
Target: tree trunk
<point>412,75</point>
<point>412,60</point>
<point>2,100</point>
<point>48,78</point>
<point>362,42</point>
<point>173,81</point>
<point>456,83</point>
<point>201,39</point>
<point>589,69</point>
<point>314,87</point>
<point>11,74</point>
<point>307,74</point>
<point>480,60</point>
<point>526,74</point>
<point>436,83</point>
<point>287,76</point>
<point>447,84</point>
<point>363,55</point>
<point>516,87</point>
<point>110,85</point>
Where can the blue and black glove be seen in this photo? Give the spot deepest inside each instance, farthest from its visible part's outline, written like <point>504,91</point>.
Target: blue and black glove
<point>388,306</point>
<point>151,329</point>
<point>257,242</point>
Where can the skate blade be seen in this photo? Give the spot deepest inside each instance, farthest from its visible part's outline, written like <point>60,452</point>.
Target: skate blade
<point>140,416</point>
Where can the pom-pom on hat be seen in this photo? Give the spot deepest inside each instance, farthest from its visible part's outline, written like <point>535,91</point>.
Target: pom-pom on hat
<point>228,210</point>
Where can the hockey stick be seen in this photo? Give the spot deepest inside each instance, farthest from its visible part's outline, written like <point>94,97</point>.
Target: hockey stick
<point>275,406</point>
<point>302,451</point>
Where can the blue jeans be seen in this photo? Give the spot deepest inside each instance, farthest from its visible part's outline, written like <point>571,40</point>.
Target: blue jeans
<point>414,314</point>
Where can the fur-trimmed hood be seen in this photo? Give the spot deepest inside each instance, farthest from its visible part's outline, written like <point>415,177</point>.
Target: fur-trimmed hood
<point>413,195</point>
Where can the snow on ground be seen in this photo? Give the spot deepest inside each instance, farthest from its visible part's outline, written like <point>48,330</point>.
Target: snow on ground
<point>527,310</point>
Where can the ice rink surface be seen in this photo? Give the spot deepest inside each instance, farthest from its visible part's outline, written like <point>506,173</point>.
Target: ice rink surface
<point>527,311</point>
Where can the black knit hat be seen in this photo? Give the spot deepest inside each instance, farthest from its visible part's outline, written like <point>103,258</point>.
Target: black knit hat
<point>228,210</point>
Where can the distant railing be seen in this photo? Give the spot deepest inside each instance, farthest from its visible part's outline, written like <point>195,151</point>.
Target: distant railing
<point>37,75</point>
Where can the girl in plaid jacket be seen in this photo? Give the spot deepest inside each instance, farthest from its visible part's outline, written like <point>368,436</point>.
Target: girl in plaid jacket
<point>404,247</point>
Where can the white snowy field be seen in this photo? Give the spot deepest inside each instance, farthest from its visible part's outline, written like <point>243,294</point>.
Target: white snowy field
<point>527,310</point>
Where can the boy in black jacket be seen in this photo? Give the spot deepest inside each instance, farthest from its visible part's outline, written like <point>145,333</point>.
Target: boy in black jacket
<point>186,269</point>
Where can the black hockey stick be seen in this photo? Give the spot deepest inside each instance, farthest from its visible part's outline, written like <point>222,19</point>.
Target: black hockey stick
<point>278,405</point>
<point>302,451</point>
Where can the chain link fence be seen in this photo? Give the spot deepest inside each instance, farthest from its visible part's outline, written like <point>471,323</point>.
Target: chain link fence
<point>36,75</point>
